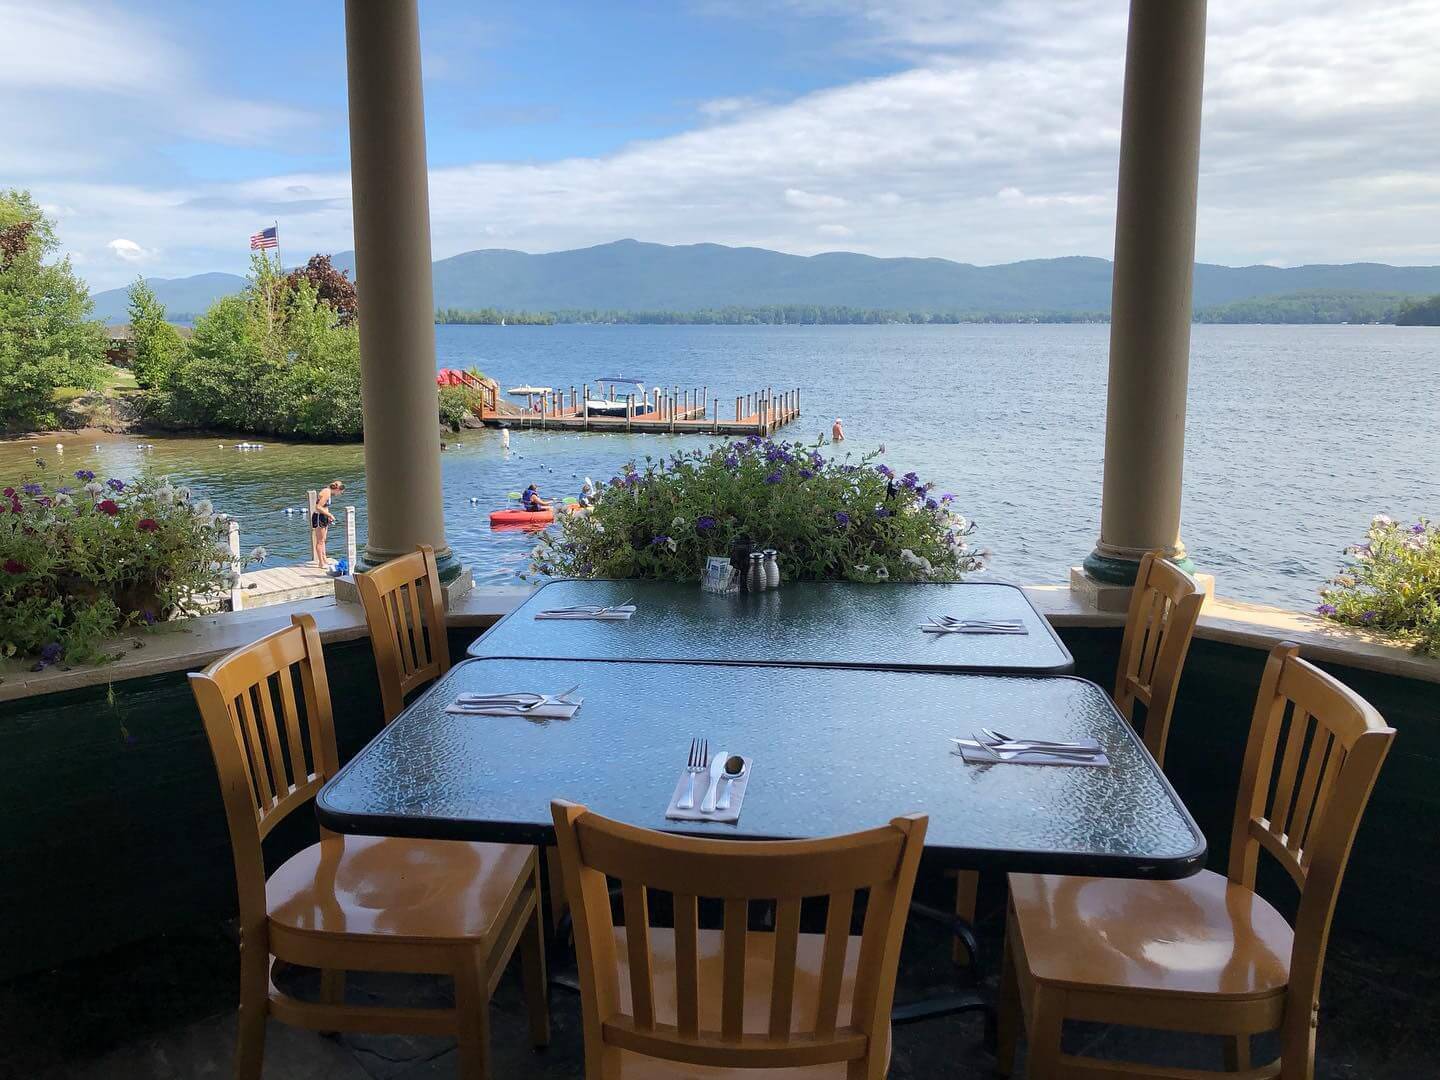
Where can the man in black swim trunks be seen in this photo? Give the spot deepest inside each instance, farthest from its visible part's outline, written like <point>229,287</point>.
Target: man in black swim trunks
<point>320,521</point>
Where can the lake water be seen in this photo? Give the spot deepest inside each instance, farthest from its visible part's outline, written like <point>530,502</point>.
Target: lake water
<point>1296,435</point>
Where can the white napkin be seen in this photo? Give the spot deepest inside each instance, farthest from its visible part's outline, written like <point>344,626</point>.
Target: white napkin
<point>551,710</point>
<point>940,628</point>
<point>610,614</point>
<point>973,754</point>
<point>729,815</point>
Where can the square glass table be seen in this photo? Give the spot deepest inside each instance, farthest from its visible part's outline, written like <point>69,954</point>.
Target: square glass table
<point>802,622</point>
<point>835,750</point>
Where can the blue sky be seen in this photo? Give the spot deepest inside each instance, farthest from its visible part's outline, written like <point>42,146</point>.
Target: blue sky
<point>160,134</point>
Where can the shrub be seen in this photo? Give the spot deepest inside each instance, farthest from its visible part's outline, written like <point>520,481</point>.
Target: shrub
<point>826,518</point>
<point>1391,584</point>
<point>457,404</point>
<point>81,558</point>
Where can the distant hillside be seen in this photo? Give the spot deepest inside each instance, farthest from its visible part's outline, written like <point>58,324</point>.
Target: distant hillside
<point>1319,306</point>
<point>632,276</point>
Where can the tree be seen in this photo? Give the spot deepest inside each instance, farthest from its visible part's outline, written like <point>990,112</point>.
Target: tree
<point>47,340</point>
<point>1420,313</point>
<point>158,346</point>
<point>332,287</point>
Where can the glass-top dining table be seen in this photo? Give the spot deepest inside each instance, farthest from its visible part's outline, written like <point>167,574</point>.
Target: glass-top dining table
<point>834,750</point>
<point>833,623</point>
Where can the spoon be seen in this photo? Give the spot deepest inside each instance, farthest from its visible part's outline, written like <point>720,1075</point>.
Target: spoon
<point>1001,737</point>
<point>734,770</point>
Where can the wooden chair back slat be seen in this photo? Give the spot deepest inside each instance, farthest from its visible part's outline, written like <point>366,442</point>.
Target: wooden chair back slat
<point>637,940</point>
<point>881,863</point>
<point>687,964</point>
<point>266,774</point>
<point>405,612</point>
<point>782,981</point>
<point>1309,827</point>
<point>832,964</point>
<point>1164,607</point>
<point>732,996</point>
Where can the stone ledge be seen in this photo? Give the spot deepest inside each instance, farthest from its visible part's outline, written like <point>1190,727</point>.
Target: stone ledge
<point>187,646</point>
<point>1258,626</point>
<point>193,643</point>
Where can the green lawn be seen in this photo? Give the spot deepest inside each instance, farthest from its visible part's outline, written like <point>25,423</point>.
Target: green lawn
<point>114,381</point>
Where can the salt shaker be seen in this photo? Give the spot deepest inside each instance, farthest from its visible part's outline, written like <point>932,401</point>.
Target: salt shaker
<point>772,569</point>
<point>755,576</point>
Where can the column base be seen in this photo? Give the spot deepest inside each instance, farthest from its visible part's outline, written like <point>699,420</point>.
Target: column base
<point>1119,570</point>
<point>446,562</point>
<point>347,592</point>
<point>1109,596</point>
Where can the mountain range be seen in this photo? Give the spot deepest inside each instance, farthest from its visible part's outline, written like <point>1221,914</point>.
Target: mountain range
<point>628,275</point>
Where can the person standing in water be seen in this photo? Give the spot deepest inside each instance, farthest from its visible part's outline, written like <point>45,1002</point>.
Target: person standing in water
<point>837,433</point>
<point>321,518</point>
<point>504,438</point>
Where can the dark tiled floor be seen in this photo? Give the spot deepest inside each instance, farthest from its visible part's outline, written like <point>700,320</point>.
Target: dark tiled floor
<point>164,1011</point>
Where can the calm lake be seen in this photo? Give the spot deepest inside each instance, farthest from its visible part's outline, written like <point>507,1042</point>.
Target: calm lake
<point>1296,436</point>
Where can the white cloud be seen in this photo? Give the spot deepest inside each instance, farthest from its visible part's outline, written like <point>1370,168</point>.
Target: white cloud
<point>835,230</point>
<point>998,141</point>
<point>809,200</point>
<point>128,250</point>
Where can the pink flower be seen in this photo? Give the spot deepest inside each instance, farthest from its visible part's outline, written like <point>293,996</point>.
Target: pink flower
<point>109,506</point>
<point>14,566</point>
<point>147,525</point>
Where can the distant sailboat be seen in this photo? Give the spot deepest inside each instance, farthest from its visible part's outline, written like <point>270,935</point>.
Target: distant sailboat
<point>502,320</point>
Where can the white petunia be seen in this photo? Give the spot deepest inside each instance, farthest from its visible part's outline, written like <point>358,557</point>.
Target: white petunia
<point>881,574</point>
<point>203,508</point>
<point>258,554</point>
<point>678,522</point>
<point>93,488</point>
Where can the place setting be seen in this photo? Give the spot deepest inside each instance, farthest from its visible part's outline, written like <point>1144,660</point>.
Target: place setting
<point>987,746</point>
<point>608,613</point>
<point>711,786</point>
<point>949,624</point>
<point>527,704</point>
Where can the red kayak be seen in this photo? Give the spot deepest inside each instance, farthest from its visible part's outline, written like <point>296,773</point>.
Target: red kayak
<point>521,517</point>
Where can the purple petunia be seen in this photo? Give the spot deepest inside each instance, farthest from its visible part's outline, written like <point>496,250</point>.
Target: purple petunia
<point>806,474</point>
<point>842,518</point>
<point>816,460</point>
<point>705,523</point>
<point>885,471</point>
<point>84,475</point>
<point>659,540</point>
<point>931,504</point>
<point>114,485</point>
<point>1418,527</point>
<point>882,512</point>
<point>1369,616</point>
<point>910,481</point>
<point>754,440</point>
<point>1325,609</point>
<point>33,489</point>
<point>948,497</point>
<point>775,477</point>
<point>732,461</point>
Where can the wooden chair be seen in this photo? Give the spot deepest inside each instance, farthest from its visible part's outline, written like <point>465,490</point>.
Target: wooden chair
<point>715,1003</point>
<point>1164,607</point>
<point>350,902</point>
<point>1207,954</point>
<point>406,615</point>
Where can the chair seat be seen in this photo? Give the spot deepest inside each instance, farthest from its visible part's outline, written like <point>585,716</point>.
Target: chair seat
<point>401,890</point>
<point>759,966</point>
<point>1203,936</point>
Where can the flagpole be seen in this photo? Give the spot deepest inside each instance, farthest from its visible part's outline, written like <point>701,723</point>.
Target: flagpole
<point>278,259</point>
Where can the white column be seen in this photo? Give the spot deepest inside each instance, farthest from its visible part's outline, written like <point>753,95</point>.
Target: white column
<point>390,190</point>
<point>1151,302</point>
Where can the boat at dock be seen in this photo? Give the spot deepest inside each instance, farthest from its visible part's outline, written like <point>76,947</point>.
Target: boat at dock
<point>617,405</point>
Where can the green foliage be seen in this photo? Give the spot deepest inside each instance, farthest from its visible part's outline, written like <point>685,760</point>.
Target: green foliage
<point>46,338</point>
<point>1316,306</point>
<point>493,317</point>
<point>81,558</point>
<point>457,404</point>
<point>827,518</point>
<point>273,360</point>
<point>157,346</point>
<point>1420,312</point>
<point>1391,584</point>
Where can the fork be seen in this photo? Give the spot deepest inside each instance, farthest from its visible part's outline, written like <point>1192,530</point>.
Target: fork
<point>695,764</point>
<point>1001,737</point>
<point>1005,624</point>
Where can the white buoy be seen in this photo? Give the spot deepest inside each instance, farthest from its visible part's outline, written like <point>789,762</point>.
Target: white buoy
<point>97,446</point>
<point>60,446</point>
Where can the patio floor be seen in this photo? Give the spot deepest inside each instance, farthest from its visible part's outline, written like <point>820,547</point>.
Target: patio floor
<point>164,1010</point>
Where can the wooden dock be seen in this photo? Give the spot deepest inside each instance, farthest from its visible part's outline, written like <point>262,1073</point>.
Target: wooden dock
<point>658,412</point>
<point>282,584</point>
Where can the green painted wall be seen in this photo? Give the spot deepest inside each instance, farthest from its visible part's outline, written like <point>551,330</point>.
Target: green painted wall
<point>106,839</point>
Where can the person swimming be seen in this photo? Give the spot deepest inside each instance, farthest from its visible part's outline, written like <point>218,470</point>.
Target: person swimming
<point>532,501</point>
<point>837,433</point>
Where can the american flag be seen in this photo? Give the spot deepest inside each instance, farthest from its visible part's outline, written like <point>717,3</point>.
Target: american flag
<point>265,238</point>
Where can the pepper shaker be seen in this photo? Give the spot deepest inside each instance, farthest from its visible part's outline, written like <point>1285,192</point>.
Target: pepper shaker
<point>755,577</point>
<point>772,569</point>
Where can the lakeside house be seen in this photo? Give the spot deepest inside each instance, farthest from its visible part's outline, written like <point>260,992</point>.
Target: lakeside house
<point>121,337</point>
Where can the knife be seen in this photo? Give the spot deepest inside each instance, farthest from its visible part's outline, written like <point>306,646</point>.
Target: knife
<point>717,768</point>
